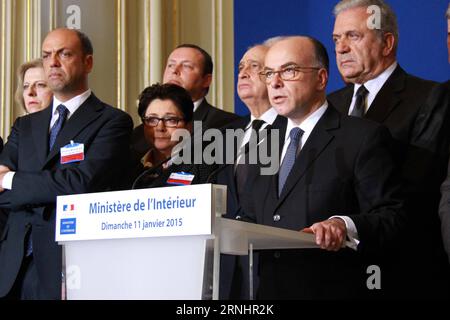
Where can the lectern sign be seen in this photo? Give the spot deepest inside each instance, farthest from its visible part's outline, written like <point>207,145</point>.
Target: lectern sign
<point>157,212</point>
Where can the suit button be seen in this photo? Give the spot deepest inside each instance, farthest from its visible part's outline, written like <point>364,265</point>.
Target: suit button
<point>276,217</point>
<point>276,254</point>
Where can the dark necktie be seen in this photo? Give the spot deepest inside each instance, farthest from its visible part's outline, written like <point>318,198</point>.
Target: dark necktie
<point>242,168</point>
<point>289,159</point>
<point>63,112</point>
<point>359,108</point>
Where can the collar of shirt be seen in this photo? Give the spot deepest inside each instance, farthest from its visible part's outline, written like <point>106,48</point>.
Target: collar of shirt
<point>373,86</point>
<point>72,105</point>
<point>197,103</point>
<point>268,116</point>
<point>307,126</point>
<point>148,161</point>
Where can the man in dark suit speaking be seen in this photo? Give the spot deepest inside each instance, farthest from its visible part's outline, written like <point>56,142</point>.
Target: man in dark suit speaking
<point>336,177</point>
<point>35,166</point>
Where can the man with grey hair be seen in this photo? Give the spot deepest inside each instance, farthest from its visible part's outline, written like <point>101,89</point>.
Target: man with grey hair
<point>366,39</point>
<point>252,90</point>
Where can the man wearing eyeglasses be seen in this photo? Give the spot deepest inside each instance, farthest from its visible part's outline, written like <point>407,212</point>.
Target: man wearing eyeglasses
<point>336,178</point>
<point>380,90</point>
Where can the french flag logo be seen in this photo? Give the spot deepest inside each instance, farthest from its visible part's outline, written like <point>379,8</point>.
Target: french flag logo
<point>68,207</point>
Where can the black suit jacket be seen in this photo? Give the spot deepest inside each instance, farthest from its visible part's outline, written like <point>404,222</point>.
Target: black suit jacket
<point>213,117</point>
<point>444,213</point>
<point>397,105</point>
<point>232,286</point>
<point>226,175</point>
<point>344,168</point>
<point>444,206</point>
<point>40,178</point>
<point>1,144</point>
<point>416,112</point>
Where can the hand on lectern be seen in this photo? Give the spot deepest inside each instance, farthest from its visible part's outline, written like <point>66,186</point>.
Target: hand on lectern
<point>330,234</point>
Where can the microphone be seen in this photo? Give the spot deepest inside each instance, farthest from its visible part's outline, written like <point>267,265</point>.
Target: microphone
<point>216,171</point>
<point>159,165</point>
<point>149,171</point>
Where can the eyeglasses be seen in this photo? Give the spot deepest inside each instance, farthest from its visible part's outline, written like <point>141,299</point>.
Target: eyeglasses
<point>168,122</point>
<point>287,74</point>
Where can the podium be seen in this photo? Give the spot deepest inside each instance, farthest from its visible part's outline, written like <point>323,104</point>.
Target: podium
<point>159,243</point>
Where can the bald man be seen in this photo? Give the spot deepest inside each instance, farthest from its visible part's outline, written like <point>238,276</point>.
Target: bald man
<point>336,179</point>
<point>33,173</point>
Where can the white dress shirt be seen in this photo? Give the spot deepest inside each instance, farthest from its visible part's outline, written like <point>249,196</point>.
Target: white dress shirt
<point>72,105</point>
<point>197,103</point>
<point>307,126</point>
<point>373,87</point>
<point>268,117</point>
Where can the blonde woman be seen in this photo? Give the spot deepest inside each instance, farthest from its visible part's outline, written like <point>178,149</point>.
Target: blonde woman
<point>32,92</point>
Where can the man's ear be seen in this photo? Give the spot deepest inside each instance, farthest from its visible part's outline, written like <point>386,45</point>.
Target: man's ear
<point>389,43</point>
<point>207,79</point>
<point>323,79</point>
<point>89,62</point>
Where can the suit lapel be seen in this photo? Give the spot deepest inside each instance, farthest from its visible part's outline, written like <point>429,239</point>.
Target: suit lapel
<point>279,124</point>
<point>387,98</point>
<point>230,172</point>
<point>85,114</point>
<point>41,127</point>
<point>318,140</point>
<point>202,111</point>
<point>342,103</point>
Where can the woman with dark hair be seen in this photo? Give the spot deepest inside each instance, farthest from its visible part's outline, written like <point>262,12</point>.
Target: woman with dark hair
<point>164,110</point>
